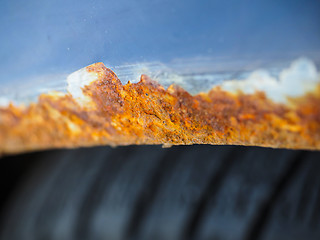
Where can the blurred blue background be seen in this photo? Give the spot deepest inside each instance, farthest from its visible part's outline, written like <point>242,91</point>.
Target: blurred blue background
<point>47,37</point>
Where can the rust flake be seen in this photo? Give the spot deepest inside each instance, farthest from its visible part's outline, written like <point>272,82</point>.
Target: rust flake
<point>146,113</point>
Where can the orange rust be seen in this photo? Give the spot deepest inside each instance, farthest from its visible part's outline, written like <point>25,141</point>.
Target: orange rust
<point>146,113</point>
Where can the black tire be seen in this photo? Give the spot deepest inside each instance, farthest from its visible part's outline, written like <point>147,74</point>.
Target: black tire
<point>146,192</point>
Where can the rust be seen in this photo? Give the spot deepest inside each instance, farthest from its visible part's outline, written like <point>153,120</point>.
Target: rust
<point>146,113</point>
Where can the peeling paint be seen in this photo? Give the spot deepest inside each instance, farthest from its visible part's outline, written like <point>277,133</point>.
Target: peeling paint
<point>100,110</point>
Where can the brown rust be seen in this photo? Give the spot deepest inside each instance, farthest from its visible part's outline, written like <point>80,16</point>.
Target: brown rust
<point>146,113</point>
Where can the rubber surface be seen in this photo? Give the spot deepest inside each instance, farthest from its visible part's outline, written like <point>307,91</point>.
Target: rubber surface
<point>146,192</point>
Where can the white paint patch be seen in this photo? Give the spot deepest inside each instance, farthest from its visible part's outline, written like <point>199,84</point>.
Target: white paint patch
<point>4,102</point>
<point>77,81</point>
<point>301,77</point>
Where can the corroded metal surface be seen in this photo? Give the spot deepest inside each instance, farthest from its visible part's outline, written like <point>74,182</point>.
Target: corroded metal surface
<point>100,110</point>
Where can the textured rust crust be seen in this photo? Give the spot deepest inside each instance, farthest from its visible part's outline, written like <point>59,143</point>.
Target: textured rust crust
<point>146,113</point>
